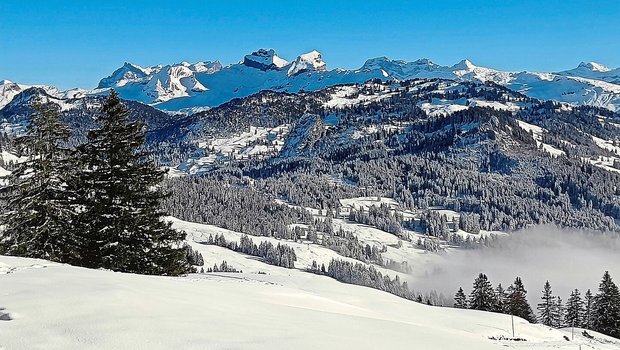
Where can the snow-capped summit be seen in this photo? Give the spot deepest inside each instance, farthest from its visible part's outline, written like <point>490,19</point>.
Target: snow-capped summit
<point>399,69</point>
<point>464,65</point>
<point>593,70</point>
<point>466,70</point>
<point>127,73</point>
<point>8,90</point>
<point>311,61</point>
<point>264,60</point>
<point>171,82</point>
<point>206,67</point>
<point>159,83</point>
<point>593,66</point>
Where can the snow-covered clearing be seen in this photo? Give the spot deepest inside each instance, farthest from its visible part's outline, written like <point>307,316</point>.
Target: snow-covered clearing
<point>604,162</point>
<point>305,252</point>
<point>537,132</point>
<point>257,142</point>
<point>351,96</point>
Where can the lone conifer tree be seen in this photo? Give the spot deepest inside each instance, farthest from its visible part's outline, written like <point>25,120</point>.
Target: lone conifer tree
<point>482,296</point>
<point>607,307</point>
<point>517,301</point>
<point>546,307</point>
<point>36,193</point>
<point>588,311</point>
<point>120,194</point>
<point>501,299</point>
<point>460,300</point>
<point>574,309</point>
<point>558,313</point>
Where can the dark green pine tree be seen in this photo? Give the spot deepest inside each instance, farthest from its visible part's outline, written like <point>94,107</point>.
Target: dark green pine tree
<point>574,309</point>
<point>120,192</point>
<point>517,301</point>
<point>501,299</point>
<point>547,306</point>
<point>607,307</point>
<point>38,211</point>
<point>482,296</point>
<point>460,300</point>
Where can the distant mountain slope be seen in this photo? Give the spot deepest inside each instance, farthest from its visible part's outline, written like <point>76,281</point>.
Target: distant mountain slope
<point>361,137</point>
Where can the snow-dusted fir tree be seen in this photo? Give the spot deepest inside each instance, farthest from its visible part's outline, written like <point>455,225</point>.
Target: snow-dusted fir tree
<point>558,313</point>
<point>517,301</point>
<point>588,310</point>
<point>460,300</point>
<point>38,212</point>
<point>546,308</point>
<point>121,221</point>
<point>482,296</point>
<point>607,307</point>
<point>501,299</point>
<point>574,309</point>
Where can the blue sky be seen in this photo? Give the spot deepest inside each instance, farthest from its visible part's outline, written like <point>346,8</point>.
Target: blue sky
<point>75,43</point>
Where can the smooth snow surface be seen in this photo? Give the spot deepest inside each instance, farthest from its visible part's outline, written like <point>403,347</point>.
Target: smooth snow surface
<point>55,306</point>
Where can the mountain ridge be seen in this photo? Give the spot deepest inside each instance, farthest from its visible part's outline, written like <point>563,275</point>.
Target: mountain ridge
<point>205,84</point>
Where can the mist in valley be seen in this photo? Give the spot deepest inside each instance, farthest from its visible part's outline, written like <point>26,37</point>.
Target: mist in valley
<point>568,258</point>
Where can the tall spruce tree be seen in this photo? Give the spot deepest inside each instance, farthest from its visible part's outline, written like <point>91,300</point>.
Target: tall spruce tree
<point>558,313</point>
<point>546,306</point>
<point>120,193</point>
<point>38,212</point>
<point>607,307</point>
<point>501,299</point>
<point>588,311</point>
<point>460,300</point>
<point>482,296</point>
<point>517,301</point>
<point>574,309</point>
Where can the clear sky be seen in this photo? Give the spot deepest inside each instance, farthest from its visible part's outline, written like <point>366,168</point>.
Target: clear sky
<point>76,43</point>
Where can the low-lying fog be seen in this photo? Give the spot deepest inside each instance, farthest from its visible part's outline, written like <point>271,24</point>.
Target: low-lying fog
<point>568,258</point>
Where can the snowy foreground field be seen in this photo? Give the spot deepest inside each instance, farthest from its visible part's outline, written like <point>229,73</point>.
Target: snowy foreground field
<point>55,306</point>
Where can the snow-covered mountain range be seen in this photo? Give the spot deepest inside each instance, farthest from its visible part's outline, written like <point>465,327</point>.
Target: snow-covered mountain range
<point>186,86</point>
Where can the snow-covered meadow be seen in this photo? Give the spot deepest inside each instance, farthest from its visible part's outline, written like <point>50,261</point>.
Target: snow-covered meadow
<point>55,306</point>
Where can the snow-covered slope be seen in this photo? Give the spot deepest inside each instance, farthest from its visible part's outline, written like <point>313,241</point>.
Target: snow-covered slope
<point>56,306</point>
<point>593,70</point>
<point>9,90</point>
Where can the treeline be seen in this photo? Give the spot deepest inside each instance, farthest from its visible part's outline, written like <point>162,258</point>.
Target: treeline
<point>484,297</point>
<point>600,312</point>
<point>223,267</point>
<point>233,206</point>
<point>278,255</point>
<point>364,275</point>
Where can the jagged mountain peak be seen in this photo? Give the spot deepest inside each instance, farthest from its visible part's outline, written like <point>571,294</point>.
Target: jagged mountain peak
<point>128,72</point>
<point>264,59</point>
